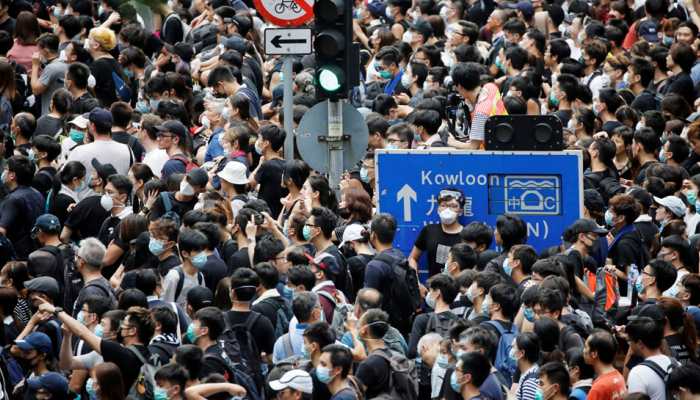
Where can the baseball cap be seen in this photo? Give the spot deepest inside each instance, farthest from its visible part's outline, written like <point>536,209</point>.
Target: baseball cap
<point>48,223</point>
<point>352,232</point>
<point>524,7</point>
<point>101,118</point>
<point>295,379</point>
<point>652,311</point>
<point>648,31</point>
<point>236,43</point>
<point>174,127</point>
<point>197,177</point>
<point>104,171</point>
<point>35,341</point>
<point>79,121</point>
<point>199,297</point>
<point>54,382</point>
<point>423,27</point>
<point>673,204</point>
<point>234,173</point>
<point>243,23</point>
<point>183,50</point>
<point>642,196</point>
<point>43,284</point>
<point>585,226</point>
<point>593,201</point>
<point>376,8</point>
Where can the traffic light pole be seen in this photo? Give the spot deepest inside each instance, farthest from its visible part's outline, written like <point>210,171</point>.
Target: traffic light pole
<point>288,107</point>
<point>335,144</point>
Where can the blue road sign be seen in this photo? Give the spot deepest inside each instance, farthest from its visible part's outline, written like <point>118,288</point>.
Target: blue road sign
<point>544,188</point>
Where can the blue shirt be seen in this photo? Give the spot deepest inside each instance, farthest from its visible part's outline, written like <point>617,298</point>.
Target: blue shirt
<point>296,336</point>
<point>214,148</point>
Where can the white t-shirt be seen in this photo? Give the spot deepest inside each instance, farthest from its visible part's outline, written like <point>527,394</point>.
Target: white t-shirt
<point>643,379</point>
<point>155,159</point>
<point>170,286</point>
<point>106,152</point>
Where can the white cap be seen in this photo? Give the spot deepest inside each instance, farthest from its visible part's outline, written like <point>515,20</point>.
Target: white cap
<point>352,232</point>
<point>234,173</point>
<point>296,379</point>
<point>673,204</point>
<point>79,121</point>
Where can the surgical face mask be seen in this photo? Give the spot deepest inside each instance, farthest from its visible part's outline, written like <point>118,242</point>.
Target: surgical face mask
<point>205,122</point>
<point>444,13</point>
<point>512,355</point>
<point>100,10</point>
<point>571,125</point>
<point>31,155</point>
<point>57,12</point>
<point>153,103</point>
<point>83,186</point>
<point>430,301</point>
<point>258,148</point>
<point>553,100</point>
<point>442,361</point>
<point>529,314</point>
<point>639,285</point>
<point>364,175</point>
<point>226,113</point>
<point>77,136</point>
<point>389,13</point>
<point>287,292</point>
<point>391,147</point>
<point>406,80</point>
<point>191,334</point>
<point>507,268</point>
<point>384,74</point>
<point>539,394</point>
<point>667,41</point>
<point>608,218</point>
<point>186,189</point>
<point>639,126</point>
<point>305,352</point>
<point>407,37</point>
<point>306,232</point>
<point>159,393</point>
<point>454,383</point>
<point>142,107</point>
<point>447,216</point>
<point>81,317</point>
<point>107,202</point>
<point>485,306</point>
<point>90,389</point>
<point>156,247</point>
<point>199,260</point>
<point>470,295</point>
<point>323,374</point>
<point>99,330</point>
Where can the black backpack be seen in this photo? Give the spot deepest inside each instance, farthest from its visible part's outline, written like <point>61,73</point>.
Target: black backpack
<point>241,350</point>
<point>440,323</point>
<point>283,314</point>
<point>233,375</point>
<point>663,374</point>
<point>72,281</point>
<point>403,379</point>
<point>403,298</point>
<point>181,281</point>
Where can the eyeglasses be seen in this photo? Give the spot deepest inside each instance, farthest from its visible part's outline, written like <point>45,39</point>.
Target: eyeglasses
<point>164,135</point>
<point>311,225</point>
<point>125,326</point>
<point>644,272</point>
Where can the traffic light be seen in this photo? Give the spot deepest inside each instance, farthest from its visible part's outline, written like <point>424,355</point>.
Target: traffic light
<point>335,53</point>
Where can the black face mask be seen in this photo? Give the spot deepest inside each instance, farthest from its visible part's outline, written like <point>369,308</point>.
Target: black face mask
<point>348,251</point>
<point>344,213</point>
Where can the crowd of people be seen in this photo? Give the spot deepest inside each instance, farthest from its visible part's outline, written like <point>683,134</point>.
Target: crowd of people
<point>156,243</point>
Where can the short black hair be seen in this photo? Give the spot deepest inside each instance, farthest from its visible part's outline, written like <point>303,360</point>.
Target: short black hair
<point>446,285</point>
<point>79,74</point>
<point>325,219</point>
<point>529,344</point>
<point>341,357</point>
<point>467,75</point>
<point>121,114</point>
<point>49,42</point>
<point>166,317</point>
<point>664,273</point>
<point>23,169</point>
<point>268,274</point>
<point>273,134</point>
<point>559,49</point>
<point>384,226</point>
<point>557,373</point>
<point>506,296</point>
<point>47,144</point>
<point>464,256</point>
<point>190,357</point>
<point>477,232</point>
<point>174,374</point>
<point>512,230</point>
<point>301,275</point>
<point>683,55</point>
<point>220,74</point>
<point>267,248</point>
<point>475,364</point>
<point>647,331</point>
<point>212,318</point>
<point>321,333</point>
<point>644,68</point>
<point>244,283</point>
<point>527,256</point>
<point>685,376</point>
<point>191,240</point>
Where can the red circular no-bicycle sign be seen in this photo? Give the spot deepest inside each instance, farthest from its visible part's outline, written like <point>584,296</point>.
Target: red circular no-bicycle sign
<point>286,12</point>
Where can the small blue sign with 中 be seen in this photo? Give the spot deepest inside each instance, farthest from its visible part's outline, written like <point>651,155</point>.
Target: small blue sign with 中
<point>544,188</point>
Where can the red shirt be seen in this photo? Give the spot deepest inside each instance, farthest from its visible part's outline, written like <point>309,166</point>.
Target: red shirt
<point>609,386</point>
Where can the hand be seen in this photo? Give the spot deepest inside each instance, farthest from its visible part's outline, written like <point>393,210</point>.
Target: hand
<point>36,59</point>
<point>46,307</point>
<point>151,198</point>
<point>402,98</point>
<point>70,207</point>
<point>610,269</point>
<point>452,142</point>
<point>251,229</point>
<point>600,135</point>
<point>236,390</point>
<point>268,222</point>
<point>610,238</point>
<point>114,18</point>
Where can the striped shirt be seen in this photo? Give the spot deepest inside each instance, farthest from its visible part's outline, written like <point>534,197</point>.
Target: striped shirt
<point>528,384</point>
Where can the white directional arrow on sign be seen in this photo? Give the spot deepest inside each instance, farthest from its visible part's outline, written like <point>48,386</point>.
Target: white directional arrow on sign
<point>407,194</point>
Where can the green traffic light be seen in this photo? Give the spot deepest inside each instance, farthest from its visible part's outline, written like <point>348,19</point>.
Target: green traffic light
<point>330,79</point>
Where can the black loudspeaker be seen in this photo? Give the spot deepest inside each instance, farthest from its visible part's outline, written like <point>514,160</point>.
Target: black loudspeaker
<point>524,132</point>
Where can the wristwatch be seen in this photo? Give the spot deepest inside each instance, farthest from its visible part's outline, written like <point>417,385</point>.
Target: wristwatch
<point>57,310</point>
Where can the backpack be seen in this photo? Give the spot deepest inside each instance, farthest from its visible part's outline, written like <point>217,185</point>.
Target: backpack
<point>181,281</point>
<point>12,371</point>
<point>72,281</point>
<point>169,213</point>
<point>341,310</point>
<point>283,314</point>
<point>160,352</point>
<point>189,164</point>
<point>185,27</point>
<point>440,323</point>
<point>121,88</point>
<point>504,364</point>
<point>145,383</point>
<point>663,374</point>
<point>579,393</point>
<point>241,350</point>
<point>573,322</point>
<point>403,298</point>
<point>403,379</point>
<point>233,375</point>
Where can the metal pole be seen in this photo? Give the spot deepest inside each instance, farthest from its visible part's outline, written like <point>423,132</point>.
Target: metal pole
<point>335,144</point>
<point>288,107</point>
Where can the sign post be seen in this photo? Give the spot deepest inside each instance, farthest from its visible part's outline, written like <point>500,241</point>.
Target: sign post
<point>288,108</point>
<point>544,188</point>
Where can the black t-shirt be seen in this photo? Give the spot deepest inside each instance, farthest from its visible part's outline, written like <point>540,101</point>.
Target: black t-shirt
<point>59,206</point>
<point>269,177</point>
<point>18,212</point>
<point>239,259</point>
<point>81,220</point>
<point>214,270</point>
<point>646,101</point>
<point>102,69</point>
<point>84,104</point>
<point>374,373</point>
<point>609,126</point>
<point>108,229</point>
<point>269,306</point>
<point>179,207</point>
<point>8,26</point>
<point>169,263</point>
<point>126,360</point>
<point>213,362</point>
<point>262,330</point>
<point>433,240</point>
<point>134,144</point>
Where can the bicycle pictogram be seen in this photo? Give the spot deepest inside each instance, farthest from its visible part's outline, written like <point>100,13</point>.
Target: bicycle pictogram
<point>287,5</point>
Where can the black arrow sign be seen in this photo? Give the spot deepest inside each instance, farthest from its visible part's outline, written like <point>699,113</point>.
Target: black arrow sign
<point>277,41</point>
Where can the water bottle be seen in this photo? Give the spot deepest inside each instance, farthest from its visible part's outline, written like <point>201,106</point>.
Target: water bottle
<point>632,279</point>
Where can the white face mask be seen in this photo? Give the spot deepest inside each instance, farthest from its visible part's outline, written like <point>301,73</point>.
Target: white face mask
<point>107,202</point>
<point>406,80</point>
<point>447,216</point>
<point>186,189</point>
<point>444,13</point>
<point>407,37</point>
<point>571,124</point>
